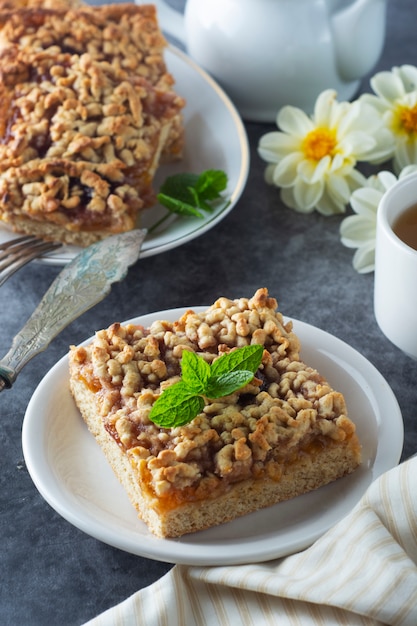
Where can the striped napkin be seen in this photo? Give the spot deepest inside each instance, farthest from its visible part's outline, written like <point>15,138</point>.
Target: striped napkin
<point>362,572</point>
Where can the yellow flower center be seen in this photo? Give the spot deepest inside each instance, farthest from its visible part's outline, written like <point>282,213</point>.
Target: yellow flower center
<point>319,143</point>
<point>408,119</point>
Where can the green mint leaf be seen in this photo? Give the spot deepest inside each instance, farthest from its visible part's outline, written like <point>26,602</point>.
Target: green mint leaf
<point>178,186</point>
<point>225,384</point>
<point>186,193</point>
<point>176,406</point>
<point>175,205</point>
<point>199,201</point>
<point>196,198</point>
<point>195,372</point>
<point>181,402</point>
<point>210,184</point>
<point>246,358</point>
<point>178,196</point>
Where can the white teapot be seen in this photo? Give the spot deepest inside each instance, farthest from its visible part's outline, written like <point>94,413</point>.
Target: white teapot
<point>269,53</point>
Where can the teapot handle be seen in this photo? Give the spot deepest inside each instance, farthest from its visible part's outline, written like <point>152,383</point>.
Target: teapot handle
<point>170,20</point>
<point>354,17</point>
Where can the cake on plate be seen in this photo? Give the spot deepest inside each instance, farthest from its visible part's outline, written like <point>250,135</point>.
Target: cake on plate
<point>87,113</point>
<point>284,433</point>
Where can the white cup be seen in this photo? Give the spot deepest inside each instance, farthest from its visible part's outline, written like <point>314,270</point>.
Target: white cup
<point>395,292</point>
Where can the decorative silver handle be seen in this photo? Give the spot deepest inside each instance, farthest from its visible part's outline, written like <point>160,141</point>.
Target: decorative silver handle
<point>86,280</point>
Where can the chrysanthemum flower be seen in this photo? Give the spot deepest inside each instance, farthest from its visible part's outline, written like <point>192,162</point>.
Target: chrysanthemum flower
<point>396,103</point>
<point>359,231</point>
<point>313,159</point>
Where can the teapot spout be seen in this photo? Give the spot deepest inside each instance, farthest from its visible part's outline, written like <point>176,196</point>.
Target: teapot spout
<point>359,33</point>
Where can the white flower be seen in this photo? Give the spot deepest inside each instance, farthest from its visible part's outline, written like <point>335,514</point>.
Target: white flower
<point>396,103</point>
<point>358,231</point>
<point>313,159</point>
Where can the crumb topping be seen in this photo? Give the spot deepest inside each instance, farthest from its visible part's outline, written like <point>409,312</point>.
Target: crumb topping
<point>10,5</point>
<point>87,109</point>
<point>286,410</point>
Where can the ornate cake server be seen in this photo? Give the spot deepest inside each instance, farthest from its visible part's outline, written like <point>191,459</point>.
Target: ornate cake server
<point>84,282</point>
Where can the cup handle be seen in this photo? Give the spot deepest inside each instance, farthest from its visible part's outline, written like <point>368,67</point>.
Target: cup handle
<point>170,20</point>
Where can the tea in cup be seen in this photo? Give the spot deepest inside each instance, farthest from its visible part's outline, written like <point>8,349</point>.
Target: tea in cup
<point>395,292</point>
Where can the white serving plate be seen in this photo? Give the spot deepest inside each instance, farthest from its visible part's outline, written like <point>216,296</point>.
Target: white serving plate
<point>72,474</point>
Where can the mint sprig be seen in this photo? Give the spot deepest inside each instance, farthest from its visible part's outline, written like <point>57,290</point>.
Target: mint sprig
<point>188,194</point>
<point>182,401</point>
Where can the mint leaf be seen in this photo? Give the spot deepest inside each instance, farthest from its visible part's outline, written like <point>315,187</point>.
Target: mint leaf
<point>175,205</point>
<point>246,358</point>
<point>176,406</point>
<point>195,372</point>
<point>186,193</point>
<point>198,200</point>
<point>178,186</point>
<point>210,183</point>
<point>225,384</point>
<point>182,401</point>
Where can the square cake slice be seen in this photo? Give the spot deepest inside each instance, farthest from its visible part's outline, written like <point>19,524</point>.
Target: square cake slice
<point>87,113</point>
<point>283,434</point>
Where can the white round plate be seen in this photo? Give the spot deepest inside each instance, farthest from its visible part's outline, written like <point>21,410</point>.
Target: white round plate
<point>215,138</point>
<point>70,471</point>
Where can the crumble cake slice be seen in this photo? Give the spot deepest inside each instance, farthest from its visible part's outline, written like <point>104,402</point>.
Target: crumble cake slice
<point>12,5</point>
<point>87,112</point>
<point>284,434</point>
